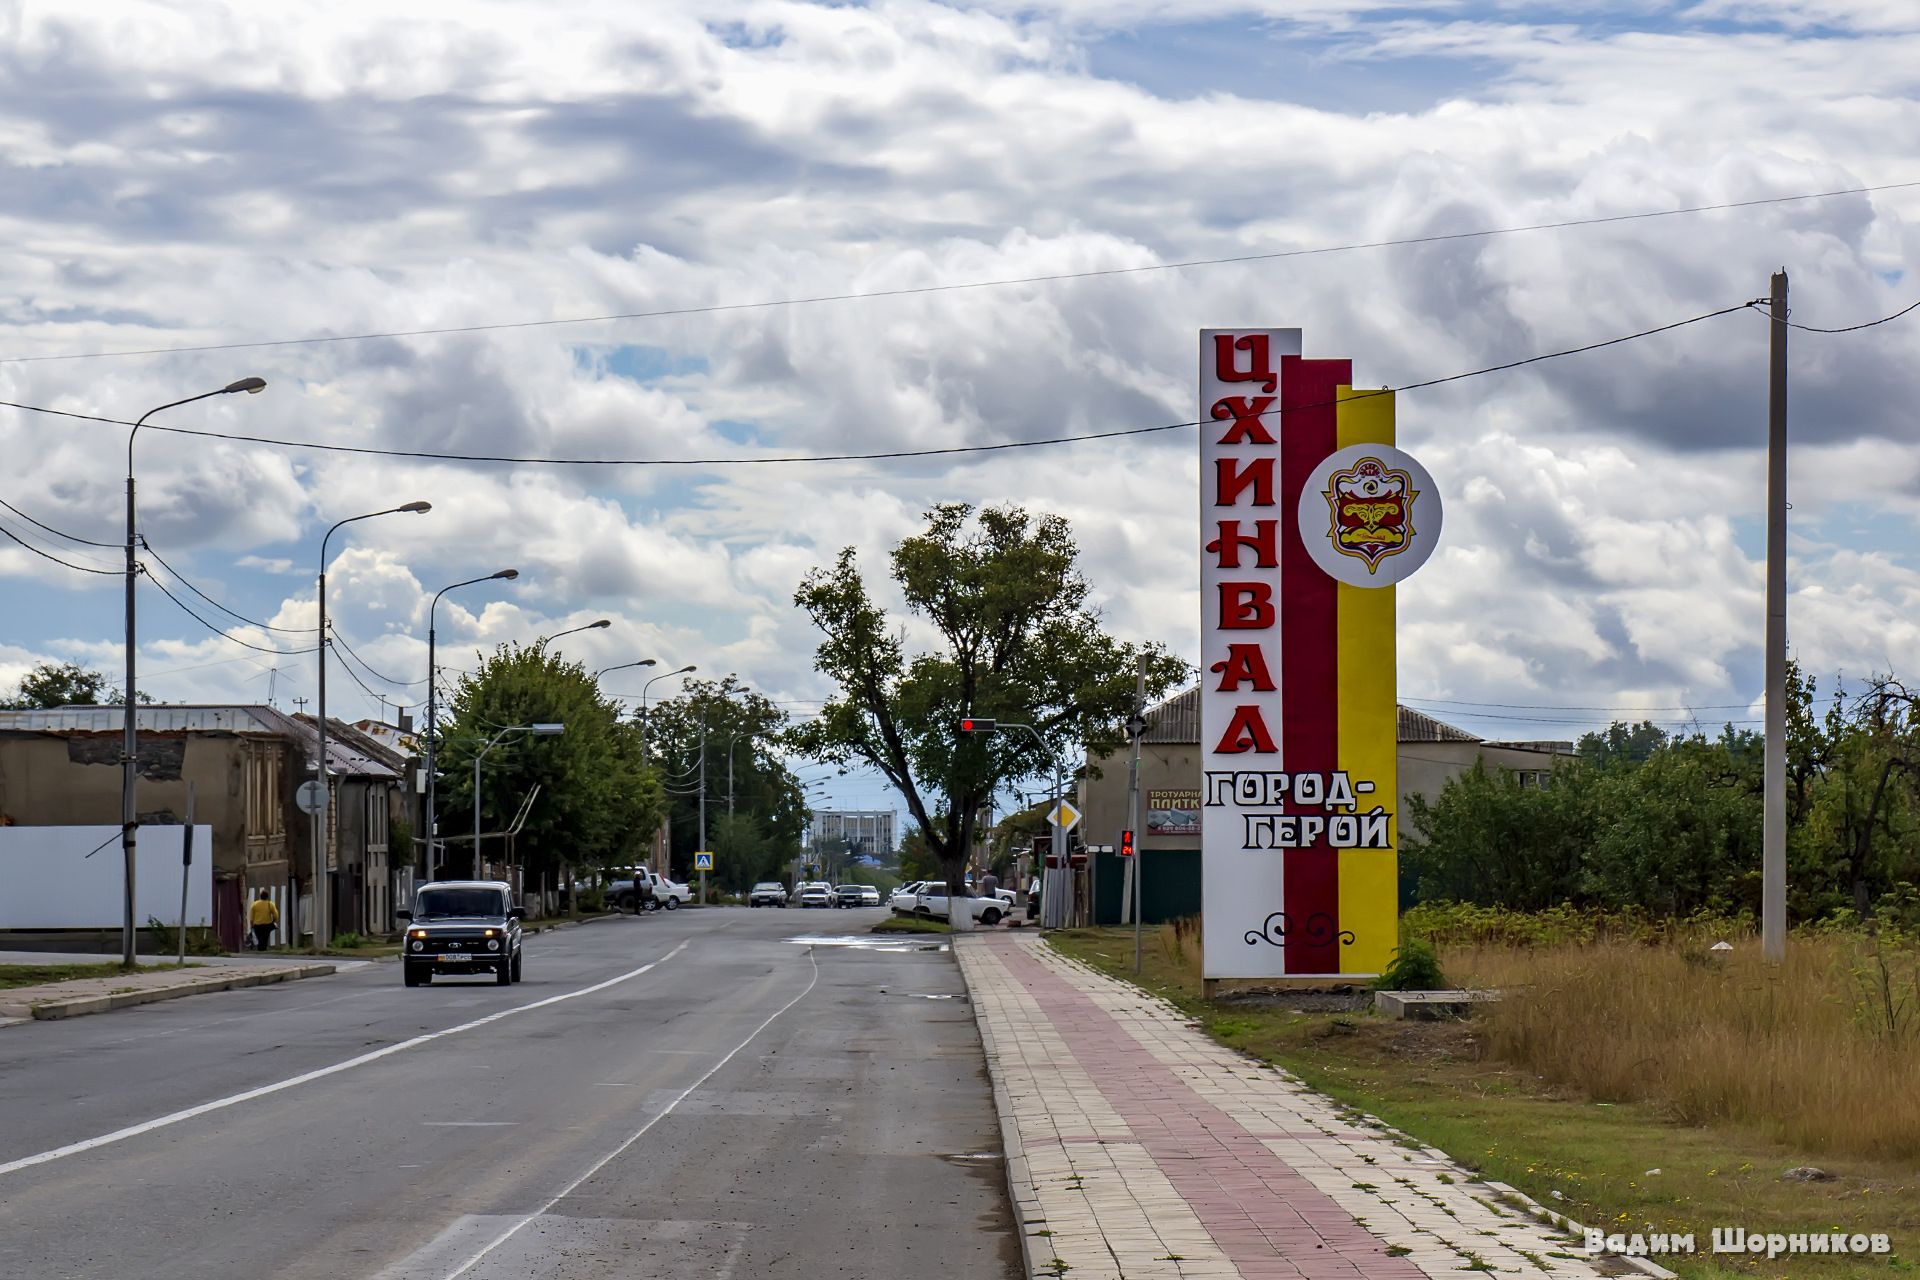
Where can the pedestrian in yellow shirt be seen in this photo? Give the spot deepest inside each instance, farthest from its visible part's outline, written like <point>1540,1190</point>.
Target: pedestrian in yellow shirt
<point>263,916</point>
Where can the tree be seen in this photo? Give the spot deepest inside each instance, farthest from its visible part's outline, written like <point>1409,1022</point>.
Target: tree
<point>63,684</point>
<point>769,814</point>
<point>597,804</point>
<point>1018,643</point>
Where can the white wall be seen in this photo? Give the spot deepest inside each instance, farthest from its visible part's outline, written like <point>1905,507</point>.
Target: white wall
<point>47,881</point>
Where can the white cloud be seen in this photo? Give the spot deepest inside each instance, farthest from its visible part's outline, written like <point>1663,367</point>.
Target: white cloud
<point>207,173</point>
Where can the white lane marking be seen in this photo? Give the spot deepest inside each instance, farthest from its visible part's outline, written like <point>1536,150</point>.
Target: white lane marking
<point>469,1124</point>
<point>639,1133</point>
<point>161,1122</point>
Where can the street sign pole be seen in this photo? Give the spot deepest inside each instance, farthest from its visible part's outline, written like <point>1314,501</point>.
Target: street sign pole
<point>186,870</point>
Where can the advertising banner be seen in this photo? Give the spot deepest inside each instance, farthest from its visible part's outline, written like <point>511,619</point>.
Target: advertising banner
<point>1308,517</point>
<point>1173,812</point>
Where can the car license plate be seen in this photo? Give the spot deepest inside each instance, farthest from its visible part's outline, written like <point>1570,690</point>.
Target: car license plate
<point>455,959</point>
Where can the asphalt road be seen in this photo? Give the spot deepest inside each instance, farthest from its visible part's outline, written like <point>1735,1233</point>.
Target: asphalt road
<point>747,1106</point>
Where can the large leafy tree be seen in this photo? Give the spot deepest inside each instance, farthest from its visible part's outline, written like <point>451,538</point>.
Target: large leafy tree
<point>63,684</point>
<point>1017,641</point>
<point>598,804</point>
<point>756,814</point>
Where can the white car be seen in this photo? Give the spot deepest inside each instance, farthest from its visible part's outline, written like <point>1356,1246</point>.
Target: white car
<point>814,893</point>
<point>669,894</point>
<point>903,900</point>
<point>932,903</point>
<point>857,895</point>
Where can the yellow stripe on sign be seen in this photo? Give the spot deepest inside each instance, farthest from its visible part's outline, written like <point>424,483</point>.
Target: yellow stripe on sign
<point>1369,726</point>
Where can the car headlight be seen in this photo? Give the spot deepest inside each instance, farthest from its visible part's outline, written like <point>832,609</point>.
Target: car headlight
<point>416,944</point>
<point>493,944</point>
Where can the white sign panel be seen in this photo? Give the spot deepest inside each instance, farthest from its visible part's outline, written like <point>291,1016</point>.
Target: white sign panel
<point>52,883</point>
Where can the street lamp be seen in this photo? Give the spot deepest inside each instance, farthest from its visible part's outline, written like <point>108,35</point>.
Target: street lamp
<point>432,701</point>
<point>591,626</point>
<point>643,704</point>
<point>130,740</point>
<point>322,900</point>
<point>1052,895</point>
<point>544,729</point>
<point>644,662</point>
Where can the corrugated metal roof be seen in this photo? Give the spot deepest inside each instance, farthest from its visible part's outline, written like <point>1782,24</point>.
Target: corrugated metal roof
<point>1415,727</point>
<point>154,719</point>
<point>1177,720</point>
<point>350,757</point>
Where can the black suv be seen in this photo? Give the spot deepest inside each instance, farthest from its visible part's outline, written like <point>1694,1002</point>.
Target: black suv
<point>462,926</point>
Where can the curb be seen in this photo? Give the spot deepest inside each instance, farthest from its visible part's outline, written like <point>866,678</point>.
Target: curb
<point>1026,1202</point>
<point>78,1006</point>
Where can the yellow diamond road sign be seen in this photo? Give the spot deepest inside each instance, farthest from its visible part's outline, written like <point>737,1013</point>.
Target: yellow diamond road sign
<point>1064,814</point>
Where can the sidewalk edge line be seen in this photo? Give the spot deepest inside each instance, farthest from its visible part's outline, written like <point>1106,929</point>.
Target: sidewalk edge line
<point>1027,1214</point>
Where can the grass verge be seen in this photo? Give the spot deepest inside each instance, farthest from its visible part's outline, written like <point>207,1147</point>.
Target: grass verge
<point>910,924</point>
<point>34,975</point>
<point>1592,1159</point>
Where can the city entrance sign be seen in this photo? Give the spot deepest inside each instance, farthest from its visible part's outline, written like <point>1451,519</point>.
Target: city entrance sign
<point>1308,517</point>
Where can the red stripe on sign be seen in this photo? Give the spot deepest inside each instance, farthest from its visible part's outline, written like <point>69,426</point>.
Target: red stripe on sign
<point>1309,656</point>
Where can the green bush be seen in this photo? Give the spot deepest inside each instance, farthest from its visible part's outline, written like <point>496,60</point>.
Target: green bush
<point>593,899</point>
<point>1415,967</point>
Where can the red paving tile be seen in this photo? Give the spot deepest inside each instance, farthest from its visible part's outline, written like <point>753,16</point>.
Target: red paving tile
<point>1268,1219</point>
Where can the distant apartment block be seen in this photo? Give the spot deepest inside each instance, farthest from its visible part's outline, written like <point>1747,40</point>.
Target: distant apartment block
<point>868,830</point>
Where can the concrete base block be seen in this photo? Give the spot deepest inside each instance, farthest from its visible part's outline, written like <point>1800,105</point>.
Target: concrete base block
<point>1430,1005</point>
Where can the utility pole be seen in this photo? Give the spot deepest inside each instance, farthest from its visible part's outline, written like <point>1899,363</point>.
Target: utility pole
<point>701,847</point>
<point>1773,859</point>
<point>1136,729</point>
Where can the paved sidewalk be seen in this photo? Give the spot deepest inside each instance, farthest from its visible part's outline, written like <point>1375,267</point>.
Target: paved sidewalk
<point>1138,1147</point>
<point>80,996</point>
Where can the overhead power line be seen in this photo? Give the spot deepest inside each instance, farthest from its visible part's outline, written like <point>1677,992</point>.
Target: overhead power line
<point>231,639</point>
<point>58,533</point>
<point>370,670</point>
<point>853,457</point>
<point>917,290</point>
<point>48,555</point>
<point>1541,706</point>
<point>182,580</point>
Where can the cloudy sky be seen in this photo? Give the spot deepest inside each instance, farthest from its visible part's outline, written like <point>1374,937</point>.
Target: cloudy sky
<point>184,179</point>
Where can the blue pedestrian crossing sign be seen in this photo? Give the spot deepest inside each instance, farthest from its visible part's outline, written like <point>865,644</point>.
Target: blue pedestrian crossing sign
<point>703,862</point>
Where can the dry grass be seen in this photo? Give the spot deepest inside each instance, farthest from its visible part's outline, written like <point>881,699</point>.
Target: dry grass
<point>1634,1166</point>
<point>1821,1053</point>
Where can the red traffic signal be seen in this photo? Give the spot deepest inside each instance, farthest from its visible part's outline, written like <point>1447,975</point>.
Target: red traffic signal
<point>978,726</point>
<point>1126,844</point>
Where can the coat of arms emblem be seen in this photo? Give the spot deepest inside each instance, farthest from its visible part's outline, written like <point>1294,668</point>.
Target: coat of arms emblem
<point>1372,511</point>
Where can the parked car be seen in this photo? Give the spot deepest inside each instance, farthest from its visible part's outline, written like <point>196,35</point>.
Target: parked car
<point>904,900</point>
<point>768,893</point>
<point>814,893</point>
<point>857,895</point>
<point>462,926</point>
<point>670,893</point>
<point>933,905</point>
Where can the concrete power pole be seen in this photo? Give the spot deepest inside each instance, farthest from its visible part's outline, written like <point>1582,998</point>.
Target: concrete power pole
<point>1773,859</point>
<point>1136,729</point>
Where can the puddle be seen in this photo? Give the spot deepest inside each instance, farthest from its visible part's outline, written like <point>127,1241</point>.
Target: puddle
<point>921,995</point>
<point>866,942</point>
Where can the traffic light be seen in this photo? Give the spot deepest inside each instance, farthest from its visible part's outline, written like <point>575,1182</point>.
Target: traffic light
<point>978,726</point>
<point>1126,844</point>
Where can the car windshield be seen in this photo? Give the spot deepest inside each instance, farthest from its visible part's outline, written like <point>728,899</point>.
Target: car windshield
<point>764,885</point>
<point>460,902</point>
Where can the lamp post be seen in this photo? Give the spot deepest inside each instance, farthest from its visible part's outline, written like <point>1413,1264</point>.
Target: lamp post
<point>433,702</point>
<point>322,901</point>
<point>1052,897</point>
<point>643,703</point>
<point>601,625</point>
<point>130,739</point>
<point>545,729</point>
